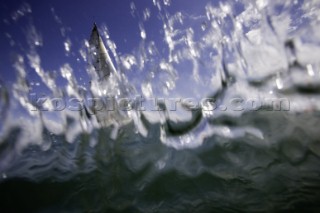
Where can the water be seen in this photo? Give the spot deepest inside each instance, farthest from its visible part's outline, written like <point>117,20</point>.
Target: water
<point>254,148</point>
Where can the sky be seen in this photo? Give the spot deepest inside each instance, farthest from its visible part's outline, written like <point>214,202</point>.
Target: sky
<point>59,21</point>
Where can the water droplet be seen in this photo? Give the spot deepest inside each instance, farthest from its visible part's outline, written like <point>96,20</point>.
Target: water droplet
<point>204,26</point>
<point>67,45</point>
<point>23,10</point>
<point>146,14</point>
<point>279,83</point>
<point>128,61</point>
<point>310,70</point>
<point>146,89</point>
<point>167,2</point>
<point>143,34</point>
<point>262,3</point>
<point>133,8</point>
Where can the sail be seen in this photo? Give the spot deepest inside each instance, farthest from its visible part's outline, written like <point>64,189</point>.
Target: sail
<point>103,88</point>
<point>99,54</point>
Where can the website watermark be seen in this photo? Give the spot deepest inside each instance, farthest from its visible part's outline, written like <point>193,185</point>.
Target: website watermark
<point>140,103</point>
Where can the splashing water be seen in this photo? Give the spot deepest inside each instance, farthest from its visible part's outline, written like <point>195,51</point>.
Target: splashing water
<point>224,115</point>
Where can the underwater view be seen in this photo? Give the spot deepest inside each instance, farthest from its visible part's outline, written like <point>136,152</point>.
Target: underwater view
<point>160,106</point>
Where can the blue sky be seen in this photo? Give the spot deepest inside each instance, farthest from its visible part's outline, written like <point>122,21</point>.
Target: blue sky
<point>76,18</point>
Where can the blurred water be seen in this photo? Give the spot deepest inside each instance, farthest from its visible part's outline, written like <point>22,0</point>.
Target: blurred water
<point>229,159</point>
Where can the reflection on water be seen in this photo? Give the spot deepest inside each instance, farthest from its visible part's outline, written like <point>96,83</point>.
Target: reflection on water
<point>225,156</point>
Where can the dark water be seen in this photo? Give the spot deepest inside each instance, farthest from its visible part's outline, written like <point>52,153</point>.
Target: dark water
<point>279,173</point>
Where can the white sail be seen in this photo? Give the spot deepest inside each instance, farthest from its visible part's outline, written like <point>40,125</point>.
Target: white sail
<point>99,55</point>
<point>106,84</point>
